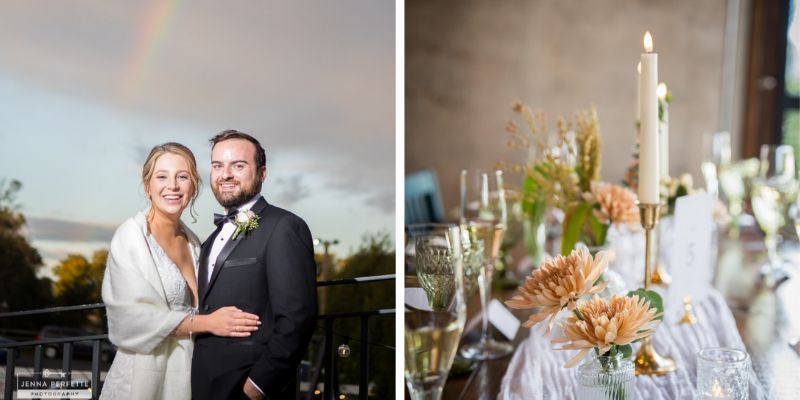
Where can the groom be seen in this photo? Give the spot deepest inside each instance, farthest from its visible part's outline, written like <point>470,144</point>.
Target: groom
<point>264,265</point>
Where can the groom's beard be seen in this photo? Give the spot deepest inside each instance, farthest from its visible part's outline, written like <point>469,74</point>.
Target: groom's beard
<point>236,199</point>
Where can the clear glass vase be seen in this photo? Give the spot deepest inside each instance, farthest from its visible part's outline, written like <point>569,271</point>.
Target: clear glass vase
<point>606,378</point>
<point>534,235</point>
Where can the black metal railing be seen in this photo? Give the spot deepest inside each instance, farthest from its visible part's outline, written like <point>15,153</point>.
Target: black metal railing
<point>328,357</point>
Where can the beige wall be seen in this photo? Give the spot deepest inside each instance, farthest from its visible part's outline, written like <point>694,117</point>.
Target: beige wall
<point>467,61</point>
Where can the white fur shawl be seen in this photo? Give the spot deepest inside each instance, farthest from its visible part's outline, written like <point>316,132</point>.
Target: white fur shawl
<point>139,318</point>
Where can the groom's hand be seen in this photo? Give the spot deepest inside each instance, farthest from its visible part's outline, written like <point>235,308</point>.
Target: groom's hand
<point>251,392</point>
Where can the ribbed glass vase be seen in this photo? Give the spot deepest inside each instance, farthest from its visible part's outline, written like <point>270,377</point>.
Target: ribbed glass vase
<point>606,378</point>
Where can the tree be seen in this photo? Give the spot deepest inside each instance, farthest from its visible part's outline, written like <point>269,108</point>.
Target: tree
<point>375,257</point>
<point>20,289</point>
<point>80,282</point>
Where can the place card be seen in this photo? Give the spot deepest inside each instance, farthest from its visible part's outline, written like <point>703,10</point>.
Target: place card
<point>690,255</point>
<point>417,299</point>
<point>500,317</point>
<point>503,320</point>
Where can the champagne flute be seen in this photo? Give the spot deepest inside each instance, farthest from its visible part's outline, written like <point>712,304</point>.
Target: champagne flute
<point>474,257</point>
<point>484,220</point>
<point>433,329</point>
<point>772,192</point>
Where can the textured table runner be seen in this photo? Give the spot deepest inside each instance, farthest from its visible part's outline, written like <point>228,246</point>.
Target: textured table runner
<point>536,371</point>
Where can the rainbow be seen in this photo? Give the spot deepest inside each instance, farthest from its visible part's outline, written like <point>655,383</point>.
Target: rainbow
<point>152,32</point>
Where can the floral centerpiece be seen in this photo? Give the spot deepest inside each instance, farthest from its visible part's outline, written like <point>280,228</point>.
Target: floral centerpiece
<point>549,182</point>
<point>607,326</point>
<point>565,176</point>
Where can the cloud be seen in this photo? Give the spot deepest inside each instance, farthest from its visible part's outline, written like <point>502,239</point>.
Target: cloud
<point>291,190</point>
<point>69,231</point>
<point>325,87</point>
<point>368,177</point>
<point>326,82</point>
<point>383,200</point>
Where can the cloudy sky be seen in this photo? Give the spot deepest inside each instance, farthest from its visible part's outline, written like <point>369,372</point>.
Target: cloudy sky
<point>88,87</point>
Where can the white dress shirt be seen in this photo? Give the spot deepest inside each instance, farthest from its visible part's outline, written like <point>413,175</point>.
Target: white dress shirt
<point>224,235</point>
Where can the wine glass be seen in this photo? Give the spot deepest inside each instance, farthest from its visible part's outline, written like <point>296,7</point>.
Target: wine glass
<point>484,220</point>
<point>718,156</point>
<point>433,325</point>
<point>731,182</point>
<point>794,214</point>
<point>514,231</point>
<point>721,148</point>
<point>772,191</point>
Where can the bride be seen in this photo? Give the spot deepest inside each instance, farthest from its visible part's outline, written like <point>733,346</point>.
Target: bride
<point>150,287</point>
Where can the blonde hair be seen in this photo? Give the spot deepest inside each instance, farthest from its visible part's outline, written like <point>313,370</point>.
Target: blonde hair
<point>180,150</point>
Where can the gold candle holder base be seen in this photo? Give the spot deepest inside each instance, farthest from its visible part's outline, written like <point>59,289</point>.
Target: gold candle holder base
<point>688,316</point>
<point>661,276</point>
<point>648,361</point>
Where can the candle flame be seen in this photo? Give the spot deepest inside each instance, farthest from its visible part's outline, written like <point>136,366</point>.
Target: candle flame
<point>639,67</point>
<point>717,390</point>
<point>648,42</point>
<point>661,91</point>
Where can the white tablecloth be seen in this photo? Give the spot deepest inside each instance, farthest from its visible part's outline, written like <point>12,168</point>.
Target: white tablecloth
<point>536,371</point>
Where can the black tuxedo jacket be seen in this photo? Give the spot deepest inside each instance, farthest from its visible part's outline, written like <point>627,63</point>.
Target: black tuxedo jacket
<point>269,271</point>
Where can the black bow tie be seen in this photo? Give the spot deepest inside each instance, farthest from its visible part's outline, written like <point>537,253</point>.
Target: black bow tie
<point>222,218</point>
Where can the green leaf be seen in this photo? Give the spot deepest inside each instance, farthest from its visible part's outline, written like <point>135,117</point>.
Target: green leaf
<point>542,167</point>
<point>532,208</point>
<point>572,226</point>
<point>599,230</point>
<point>626,350</point>
<point>528,193</point>
<point>651,296</point>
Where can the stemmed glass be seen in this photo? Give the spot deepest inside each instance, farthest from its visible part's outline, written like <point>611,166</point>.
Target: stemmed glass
<point>484,216</point>
<point>773,190</point>
<point>731,182</point>
<point>794,214</point>
<point>513,234</point>
<point>433,328</point>
<point>718,157</point>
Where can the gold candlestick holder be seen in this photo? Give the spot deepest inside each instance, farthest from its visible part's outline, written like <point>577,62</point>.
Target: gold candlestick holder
<point>648,361</point>
<point>660,275</point>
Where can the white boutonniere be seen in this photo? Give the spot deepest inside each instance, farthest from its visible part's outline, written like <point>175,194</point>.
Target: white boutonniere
<point>245,222</point>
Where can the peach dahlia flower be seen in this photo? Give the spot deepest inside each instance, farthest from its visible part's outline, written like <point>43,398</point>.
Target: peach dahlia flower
<point>558,283</point>
<point>618,321</point>
<point>617,204</point>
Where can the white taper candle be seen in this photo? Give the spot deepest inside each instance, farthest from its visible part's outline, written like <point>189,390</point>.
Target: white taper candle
<point>648,148</point>
<point>663,134</point>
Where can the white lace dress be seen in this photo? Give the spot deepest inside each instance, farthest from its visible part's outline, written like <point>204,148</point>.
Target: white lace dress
<point>118,380</point>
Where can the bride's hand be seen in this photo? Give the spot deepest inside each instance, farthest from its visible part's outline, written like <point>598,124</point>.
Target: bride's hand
<point>233,322</point>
